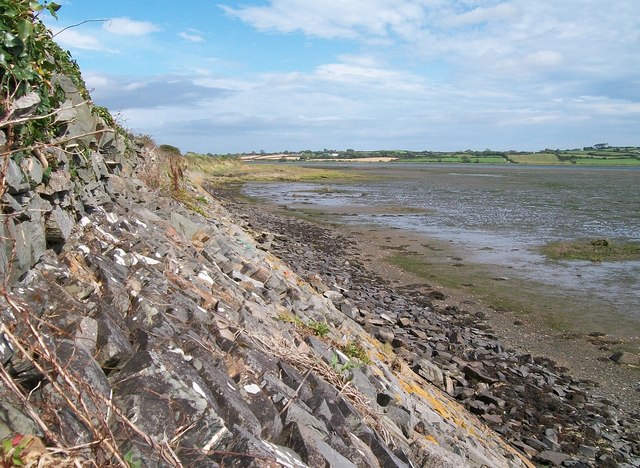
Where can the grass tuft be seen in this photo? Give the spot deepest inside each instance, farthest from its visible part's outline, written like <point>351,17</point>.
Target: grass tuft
<point>597,250</point>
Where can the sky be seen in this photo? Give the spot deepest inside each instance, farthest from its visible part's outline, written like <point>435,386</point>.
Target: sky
<point>222,76</point>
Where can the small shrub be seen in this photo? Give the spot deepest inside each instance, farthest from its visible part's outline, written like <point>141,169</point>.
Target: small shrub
<point>355,350</point>
<point>342,368</point>
<point>320,329</point>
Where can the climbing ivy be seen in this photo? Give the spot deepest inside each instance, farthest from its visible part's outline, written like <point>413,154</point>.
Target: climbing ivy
<point>29,61</point>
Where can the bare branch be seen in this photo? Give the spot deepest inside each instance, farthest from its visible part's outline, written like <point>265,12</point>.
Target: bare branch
<point>81,23</point>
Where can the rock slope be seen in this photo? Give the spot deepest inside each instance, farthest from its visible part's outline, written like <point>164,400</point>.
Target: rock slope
<point>135,330</point>
<point>182,326</point>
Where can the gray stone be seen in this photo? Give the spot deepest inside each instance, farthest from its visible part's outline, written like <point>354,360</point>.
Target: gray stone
<point>476,373</point>
<point>263,408</point>
<point>34,168</point>
<point>15,179</point>
<point>404,322</point>
<point>403,418</point>
<point>86,335</point>
<point>550,457</point>
<point>588,451</point>
<point>231,406</point>
<point>185,399</point>
<point>80,290</point>
<point>66,112</point>
<point>310,444</point>
<point>333,296</point>
<point>113,347</point>
<point>26,105</point>
<point>37,209</point>
<point>245,443</point>
<point>59,181</point>
<point>29,246</point>
<point>429,371</point>
<point>184,226</point>
<point>385,335</point>
<point>11,203</point>
<point>59,226</point>
<point>623,357</point>
<point>383,453</point>
<point>12,418</point>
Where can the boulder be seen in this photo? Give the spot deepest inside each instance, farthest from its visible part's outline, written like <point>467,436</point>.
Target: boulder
<point>429,371</point>
<point>623,357</point>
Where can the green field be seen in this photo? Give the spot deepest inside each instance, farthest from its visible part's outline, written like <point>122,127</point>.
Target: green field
<point>608,162</point>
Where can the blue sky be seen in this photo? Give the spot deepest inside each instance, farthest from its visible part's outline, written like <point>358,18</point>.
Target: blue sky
<point>223,76</point>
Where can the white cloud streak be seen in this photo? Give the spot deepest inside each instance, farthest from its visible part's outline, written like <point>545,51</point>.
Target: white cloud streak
<point>191,36</point>
<point>76,40</point>
<point>127,27</point>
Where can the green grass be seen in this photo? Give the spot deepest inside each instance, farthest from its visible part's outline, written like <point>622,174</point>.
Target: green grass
<point>353,349</point>
<point>608,161</point>
<point>595,250</point>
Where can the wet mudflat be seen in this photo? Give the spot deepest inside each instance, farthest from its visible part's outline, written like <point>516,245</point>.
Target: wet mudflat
<point>481,229</point>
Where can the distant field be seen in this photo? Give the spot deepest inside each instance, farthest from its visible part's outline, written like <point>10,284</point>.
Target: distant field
<point>608,162</point>
<point>458,159</point>
<point>535,158</point>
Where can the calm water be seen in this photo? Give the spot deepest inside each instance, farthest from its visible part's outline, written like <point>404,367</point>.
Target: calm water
<point>498,215</point>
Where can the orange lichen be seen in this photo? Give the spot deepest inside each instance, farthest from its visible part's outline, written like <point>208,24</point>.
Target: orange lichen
<point>432,439</point>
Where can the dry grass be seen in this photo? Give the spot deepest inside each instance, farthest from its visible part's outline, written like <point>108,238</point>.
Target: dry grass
<point>222,170</point>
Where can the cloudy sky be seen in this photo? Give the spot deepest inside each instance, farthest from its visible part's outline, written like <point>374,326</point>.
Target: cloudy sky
<point>225,76</point>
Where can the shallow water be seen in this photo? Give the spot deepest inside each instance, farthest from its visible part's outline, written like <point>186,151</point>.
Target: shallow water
<point>499,216</point>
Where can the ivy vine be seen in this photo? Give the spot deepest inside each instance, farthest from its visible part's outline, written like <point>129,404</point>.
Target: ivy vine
<point>29,61</point>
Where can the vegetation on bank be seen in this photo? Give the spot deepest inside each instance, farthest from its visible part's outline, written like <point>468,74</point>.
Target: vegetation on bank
<point>230,169</point>
<point>597,155</point>
<point>598,250</point>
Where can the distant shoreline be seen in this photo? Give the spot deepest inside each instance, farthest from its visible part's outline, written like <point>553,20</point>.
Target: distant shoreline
<point>598,155</point>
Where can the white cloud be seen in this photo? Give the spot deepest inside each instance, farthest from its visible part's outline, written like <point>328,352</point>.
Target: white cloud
<point>501,12</point>
<point>334,18</point>
<point>421,74</point>
<point>73,39</point>
<point>544,59</point>
<point>191,36</point>
<point>127,27</point>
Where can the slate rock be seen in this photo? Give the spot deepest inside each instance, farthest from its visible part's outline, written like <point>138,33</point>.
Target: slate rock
<point>113,346</point>
<point>59,226</point>
<point>623,357</point>
<point>309,443</point>
<point>551,457</point>
<point>15,179</point>
<point>429,371</point>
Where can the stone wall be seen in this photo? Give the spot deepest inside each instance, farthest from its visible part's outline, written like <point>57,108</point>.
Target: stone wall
<point>49,188</point>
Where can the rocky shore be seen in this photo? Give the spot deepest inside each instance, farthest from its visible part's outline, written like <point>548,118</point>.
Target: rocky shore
<point>148,322</point>
<point>535,404</point>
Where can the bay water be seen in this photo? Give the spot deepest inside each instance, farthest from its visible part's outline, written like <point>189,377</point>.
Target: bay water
<point>499,215</point>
